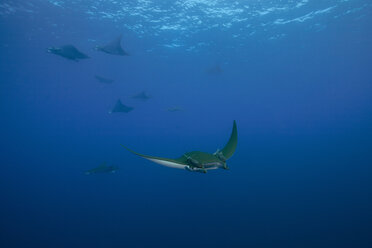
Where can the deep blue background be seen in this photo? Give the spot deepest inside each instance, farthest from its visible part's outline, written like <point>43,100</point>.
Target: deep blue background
<point>301,175</point>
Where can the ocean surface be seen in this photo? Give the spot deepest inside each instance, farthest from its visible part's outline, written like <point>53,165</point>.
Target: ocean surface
<point>295,75</point>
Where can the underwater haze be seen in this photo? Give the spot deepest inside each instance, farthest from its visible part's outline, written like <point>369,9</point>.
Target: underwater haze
<point>81,78</point>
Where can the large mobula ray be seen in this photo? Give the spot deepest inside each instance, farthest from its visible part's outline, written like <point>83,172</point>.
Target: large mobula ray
<point>113,48</point>
<point>197,161</point>
<point>68,52</point>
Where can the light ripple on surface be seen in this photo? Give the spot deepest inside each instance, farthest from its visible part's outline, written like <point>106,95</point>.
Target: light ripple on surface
<point>188,17</point>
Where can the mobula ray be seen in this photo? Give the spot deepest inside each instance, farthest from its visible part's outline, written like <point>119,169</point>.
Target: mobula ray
<point>68,52</point>
<point>197,161</point>
<point>113,47</point>
<point>102,168</point>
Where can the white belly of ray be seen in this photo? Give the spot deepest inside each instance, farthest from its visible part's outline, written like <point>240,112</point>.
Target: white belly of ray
<point>167,163</point>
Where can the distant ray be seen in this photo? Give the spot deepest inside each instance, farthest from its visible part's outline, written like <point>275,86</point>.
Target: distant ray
<point>102,168</point>
<point>174,109</point>
<point>120,108</point>
<point>113,48</point>
<point>68,52</point>
<point>104,80</point>
<point>214,70</point>
<point>142,96</point>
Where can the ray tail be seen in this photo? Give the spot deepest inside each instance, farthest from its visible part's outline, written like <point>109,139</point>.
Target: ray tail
<point>173,163</point>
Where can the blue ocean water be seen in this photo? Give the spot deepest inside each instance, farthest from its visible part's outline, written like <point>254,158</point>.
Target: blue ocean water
<point>295,75</point>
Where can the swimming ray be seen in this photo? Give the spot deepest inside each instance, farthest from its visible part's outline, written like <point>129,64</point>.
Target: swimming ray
<point>120,107</point>
<point>102,168</point>
<point>113,47</point>
<point>197,161</point>
<point>103,79</point>
<point>68,52</point>
<point>142,96</point>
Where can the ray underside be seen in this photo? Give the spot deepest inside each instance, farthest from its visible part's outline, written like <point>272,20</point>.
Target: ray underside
<point>179,163</point>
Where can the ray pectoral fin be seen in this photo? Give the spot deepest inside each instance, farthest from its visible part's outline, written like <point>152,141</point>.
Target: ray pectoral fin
<point>173,163</point>
<point>230,147</point>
